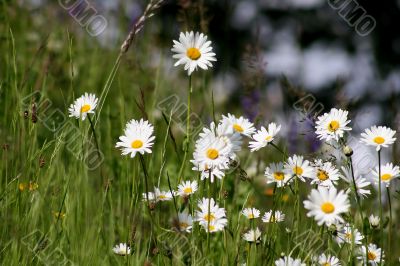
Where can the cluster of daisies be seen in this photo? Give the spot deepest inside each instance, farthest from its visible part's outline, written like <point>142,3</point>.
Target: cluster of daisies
<point>217,148</point>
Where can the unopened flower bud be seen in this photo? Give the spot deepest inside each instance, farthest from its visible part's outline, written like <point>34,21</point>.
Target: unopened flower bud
<point>374,221</point>
<point>348,151</point>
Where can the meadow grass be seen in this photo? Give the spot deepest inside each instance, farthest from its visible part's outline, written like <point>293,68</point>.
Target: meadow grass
<point>57,208</point>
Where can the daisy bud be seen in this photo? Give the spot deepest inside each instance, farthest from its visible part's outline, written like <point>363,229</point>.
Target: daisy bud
<point>348,151</point>
<point>374,221</point>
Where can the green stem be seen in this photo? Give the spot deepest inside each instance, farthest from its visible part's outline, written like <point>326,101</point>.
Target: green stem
<point>390,221</point>
<point>380,204</point>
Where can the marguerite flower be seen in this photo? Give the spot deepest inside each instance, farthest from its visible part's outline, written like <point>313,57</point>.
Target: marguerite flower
<point>193,50</point>
<point>277,217</point>
<point>327,260</point>
<point>347,234</point>
<point>325,174</point>
<point>187,188</point>
<point>185,222</point>
<point>263,137</point>
<point>122,249</point>
<point>326,205</point>
<point>215,225</point>
<point>149,196</point>
<point>289,261</point>
<point>209,211</point>
<point>388,172</point>
<point>297,166</point>
<point>83,106</point>
<point>224,132</point>
<point>252,235</point>
<point>137,139</point>
<point>162,195</point>
<point>378,136</point>
<point>374,221</point>
<point>276,174</point>
<point>251,213</point>
<point>373,255</point>
<point>332,125</point>
<point>361,182</point>
<point>240,125</point>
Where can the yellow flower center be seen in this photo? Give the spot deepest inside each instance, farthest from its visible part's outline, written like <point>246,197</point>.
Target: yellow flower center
<point>188,190</point>
<point>379,140</point>
<point>348,236</point>
<point>209,217</point>
<point>326,264</point>
<point>238,128</point>
<point>251,216</point>
<point>279,176</point>
<point>327,207</point>
<point>137,144</point>
<point>211,227</point>
<point>162,197</point>
<point>183,225</point>
<point>371,255</point>
<point>212,154</point>
<point>386,177</point>
<point>322,175</point>
<point>298,170</point>
<point>193,53</point>
<point>85,108</point>
<point>333,126</point>
<point>268,138</point>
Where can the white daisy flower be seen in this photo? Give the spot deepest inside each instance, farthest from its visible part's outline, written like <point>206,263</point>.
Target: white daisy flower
<point>275,173</point>
<point>193,50</point>
<point>374,221</point>
<point>263,137</point>
<point>185,222</point>
<point>240,125</point>
<point>373,255</point>
<point>223,131</point>
<point>378,136</point>
<point>252,235</point>
<point>251,213</point>
<point>327,260</point>
<point>187,188</point>
<point>162,195</point>
<point>296,165</point>
<point>361,182</point>
<point>332,125</point>
<point>150,196</point>
<point>83,106</point>
<point>138,138</point>
<point>388,172</point>
<point>122,249</point>
<point>210,173</point>
<point>326,205</point>
<point>276,218</point>
<point>347,234</point>
<point>289,261</point>
<point>215,225</point>
<point>325,175</point>
<point>209,211</point>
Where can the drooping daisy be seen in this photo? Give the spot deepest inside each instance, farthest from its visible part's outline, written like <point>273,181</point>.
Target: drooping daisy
<point>275,173</point>
<point>251,213</point>
<point>378,137</point>
<point>162,195</point>
<point>325,174</point>
<point>137,138</point>
<point>289,261</point>
<point>374,221</point>
<point>122,249</point>
<point>263,137</point>
<point>332,125</point>
<point>373,255</point>
<point>277,217</point>
<point>252,235</point>
<point>388,172</point>
<point>240,125</point>
<point>361,182</point>
<point>327,260</point>
<point>326,205</point>
<point>296,165</point>
<point>185,222</point>
<point>193,50</point>
<point>83,106</point>
<point>347,234</point>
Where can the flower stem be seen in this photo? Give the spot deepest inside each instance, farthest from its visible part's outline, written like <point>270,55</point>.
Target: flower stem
<point>380,203</point>
<point>390,221</point>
